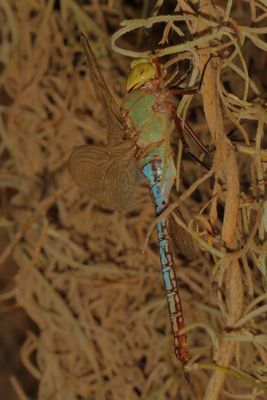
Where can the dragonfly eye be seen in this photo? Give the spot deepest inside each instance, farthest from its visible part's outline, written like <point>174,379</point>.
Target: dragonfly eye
<point>140,73</point>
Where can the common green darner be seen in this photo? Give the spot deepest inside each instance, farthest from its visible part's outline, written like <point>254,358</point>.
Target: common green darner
<point>139,130</point>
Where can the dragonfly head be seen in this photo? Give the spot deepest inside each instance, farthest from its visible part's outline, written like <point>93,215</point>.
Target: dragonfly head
<point>142,70</point>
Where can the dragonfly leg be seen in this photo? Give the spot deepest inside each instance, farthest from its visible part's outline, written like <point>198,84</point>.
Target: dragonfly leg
<point>169,83</point>
<point>185,75</point>
<point>195,89</point>
<point>182,91</point>
<point>195,158</point>
<point>179,129</point>
<point>170,108</point>
<point>195,137</point>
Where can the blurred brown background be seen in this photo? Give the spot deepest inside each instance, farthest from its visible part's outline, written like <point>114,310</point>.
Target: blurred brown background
<point>83,310</point>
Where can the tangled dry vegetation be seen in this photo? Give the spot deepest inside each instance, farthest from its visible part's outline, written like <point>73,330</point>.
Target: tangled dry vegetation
<point>97,300</point>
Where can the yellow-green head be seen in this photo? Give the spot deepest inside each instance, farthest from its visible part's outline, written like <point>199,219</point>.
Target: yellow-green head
<point>142,70</point>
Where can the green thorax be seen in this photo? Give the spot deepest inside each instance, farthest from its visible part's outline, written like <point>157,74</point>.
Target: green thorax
<point>150,125</point>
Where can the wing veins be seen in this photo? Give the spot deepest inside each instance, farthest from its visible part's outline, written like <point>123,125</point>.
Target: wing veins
<point>109,105</point>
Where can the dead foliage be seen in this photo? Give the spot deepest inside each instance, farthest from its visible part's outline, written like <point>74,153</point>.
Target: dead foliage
<point>97,300</point>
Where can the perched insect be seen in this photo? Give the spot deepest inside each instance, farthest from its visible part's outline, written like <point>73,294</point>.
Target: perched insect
<point>139,131</point>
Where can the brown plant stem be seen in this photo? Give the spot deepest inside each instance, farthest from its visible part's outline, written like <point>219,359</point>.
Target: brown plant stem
<point>226,173</point>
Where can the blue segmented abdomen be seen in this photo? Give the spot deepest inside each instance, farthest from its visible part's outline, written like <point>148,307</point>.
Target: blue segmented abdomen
<point>161,179</point>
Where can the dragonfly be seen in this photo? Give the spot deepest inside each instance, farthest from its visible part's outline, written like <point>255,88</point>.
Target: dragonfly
<point>139,132</point>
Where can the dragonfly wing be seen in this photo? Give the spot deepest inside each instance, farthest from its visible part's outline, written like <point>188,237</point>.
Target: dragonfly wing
<point>108,175</point>
<point>110,107</point>
<point>183,241</point>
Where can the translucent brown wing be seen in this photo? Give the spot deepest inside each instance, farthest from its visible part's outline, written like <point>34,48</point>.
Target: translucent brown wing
<point>182,240</point>
<point>110,108</point>
<point>108,174</point>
